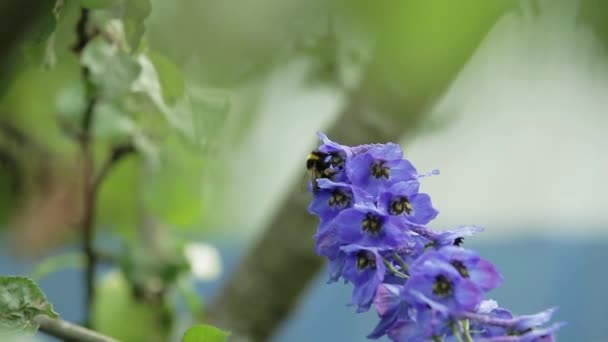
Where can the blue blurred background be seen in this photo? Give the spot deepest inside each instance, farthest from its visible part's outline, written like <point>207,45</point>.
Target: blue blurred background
<point>539,273</point>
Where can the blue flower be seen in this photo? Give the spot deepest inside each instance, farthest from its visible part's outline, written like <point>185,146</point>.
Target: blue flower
<point>412,248</point>
<point>391,307</point>
<point>439,281</point>
<point>327,243</point>
<point>403,199</point>
<point>333,197</point>
<point>330,146</point>
<point>490,308</point>
<point>366,225</point>
<point>468,263</point>
<point>364,268</point>
<point>422,327</point>
<point>534,335</point>
<point>455,237</point>
<point>379,168</point>
<point>527,322</point>
<point>335,156</point>
<point>373,231</point>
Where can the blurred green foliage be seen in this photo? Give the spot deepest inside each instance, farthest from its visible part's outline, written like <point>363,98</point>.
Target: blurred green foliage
<point>204,333</point>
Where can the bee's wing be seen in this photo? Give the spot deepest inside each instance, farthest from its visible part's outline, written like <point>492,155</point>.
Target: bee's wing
<point>309,180</point>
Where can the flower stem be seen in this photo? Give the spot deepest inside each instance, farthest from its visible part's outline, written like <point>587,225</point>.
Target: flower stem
<point>401,262</point>
<point>394,270</point>
<point>437,339</point>
<point>456,332</point>
<point>467,332</point>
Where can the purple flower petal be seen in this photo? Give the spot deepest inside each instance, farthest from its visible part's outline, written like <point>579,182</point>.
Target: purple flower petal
<point>485,275</point>
<point>403,170</point>
<point>468,295</point>
<point>423,210</point>
<point>387,298</point>
<point>389,151</point>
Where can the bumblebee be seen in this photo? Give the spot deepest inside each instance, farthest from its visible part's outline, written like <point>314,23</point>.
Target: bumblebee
<point>318,165</point>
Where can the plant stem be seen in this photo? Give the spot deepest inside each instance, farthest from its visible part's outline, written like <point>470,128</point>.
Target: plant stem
<point>394,270</point>
<point>69,331</point>
<point>400,261</point>
<point>467,331</point>
<point>117,154</point>
<point>456,331</point>
<point>88,180</point>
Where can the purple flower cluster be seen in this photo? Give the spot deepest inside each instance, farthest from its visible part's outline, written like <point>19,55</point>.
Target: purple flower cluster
<point>424,285</point>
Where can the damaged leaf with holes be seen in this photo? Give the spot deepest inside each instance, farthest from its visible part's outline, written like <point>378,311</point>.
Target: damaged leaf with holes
<point>21,300</point>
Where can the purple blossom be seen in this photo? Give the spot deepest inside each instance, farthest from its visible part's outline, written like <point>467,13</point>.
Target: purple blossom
<point>404,200</point>
<point>470,265</point>
<point>491,308</point>
<point>439,281</point>
<point>333,197</point>
<point>453,237</point>
<point>412,248</point>
<point>379,168</point>
<point>424,326</point>
<point>526,322</point>
<point>364,268</point>
<point>391,307</point>
<point>366,225</point>
<point>456,237</point>
<point>373,231</point>
<point>534,335</point>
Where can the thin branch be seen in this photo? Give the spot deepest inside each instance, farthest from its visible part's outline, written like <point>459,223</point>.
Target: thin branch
<point>117,154</point>
<point>82,36</point>
<point>88,234</point>
<point>89,180</point>
<point>69,331</point>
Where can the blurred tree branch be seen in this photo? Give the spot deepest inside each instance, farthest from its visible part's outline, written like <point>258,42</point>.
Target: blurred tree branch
<point>69,331</point>
<point>266,285</point>
<point>90,185</point>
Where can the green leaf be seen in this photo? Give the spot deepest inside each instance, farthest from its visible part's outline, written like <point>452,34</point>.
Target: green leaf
<point>148,83</point>
<point>136,11</point>
<point>119,314</point>
<point>171,79</point>
<point>113,71</point>
<point>20,301</point>
<point>205,333</point>
<point>40,48</point>
<point>118,200</point>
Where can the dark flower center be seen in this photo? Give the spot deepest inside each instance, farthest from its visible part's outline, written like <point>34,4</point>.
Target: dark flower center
<point>379,169</point>
<point>340,198</point>
<point>442,286</point>
<point>461,268</point>
<point>329,173</point>
<point>372,224</point>
<point>399,205</point>
<point>458,241</point>
<point>365,259</point>
<point>337,160</point>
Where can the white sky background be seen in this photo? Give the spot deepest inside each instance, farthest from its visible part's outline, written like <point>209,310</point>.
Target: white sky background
<point>524,150</point>
<point>527,145</point>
